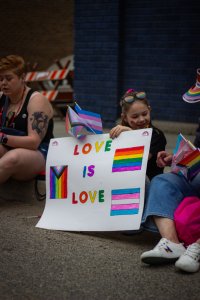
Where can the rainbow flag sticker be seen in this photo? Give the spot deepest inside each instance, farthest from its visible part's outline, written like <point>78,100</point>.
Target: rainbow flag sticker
<point>58,182</point>
<point>128,159</point>
<point>125,201</point>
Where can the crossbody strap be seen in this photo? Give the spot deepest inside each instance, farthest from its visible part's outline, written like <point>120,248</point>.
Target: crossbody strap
<point>6,104</point>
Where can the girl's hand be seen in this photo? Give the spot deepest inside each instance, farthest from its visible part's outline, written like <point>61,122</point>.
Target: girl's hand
<point>164,159</point>
<point>115,131</point>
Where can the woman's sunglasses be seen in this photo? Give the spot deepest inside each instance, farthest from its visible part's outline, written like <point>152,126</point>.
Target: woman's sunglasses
<point>132,98</point>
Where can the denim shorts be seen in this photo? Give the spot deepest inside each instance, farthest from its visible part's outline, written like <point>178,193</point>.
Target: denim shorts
<point>43,148</point>
<point>164,194</point>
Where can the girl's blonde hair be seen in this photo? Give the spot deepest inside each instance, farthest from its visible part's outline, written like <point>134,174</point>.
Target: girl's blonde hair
<point>14,63</point>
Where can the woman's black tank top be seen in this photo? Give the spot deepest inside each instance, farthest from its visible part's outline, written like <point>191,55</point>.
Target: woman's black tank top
<point>21,120</point>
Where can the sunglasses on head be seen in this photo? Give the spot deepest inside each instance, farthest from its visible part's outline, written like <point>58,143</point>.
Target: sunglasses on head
<point>132,98</point>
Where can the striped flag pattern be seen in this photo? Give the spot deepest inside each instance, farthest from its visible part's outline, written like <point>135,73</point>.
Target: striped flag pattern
<point>75,122</point>
<point>186,158</point>
<point>58,182</point>
<point>128,159</point>
<point>125,201</point>
<point>192,162</point>
<point>92,119</point>
<point>72,130</point>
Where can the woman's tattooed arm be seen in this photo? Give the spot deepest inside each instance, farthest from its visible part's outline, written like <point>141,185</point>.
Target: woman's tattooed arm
<point>39,122</point>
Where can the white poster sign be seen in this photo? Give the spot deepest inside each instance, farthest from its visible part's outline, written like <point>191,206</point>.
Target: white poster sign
<point>96,184</point>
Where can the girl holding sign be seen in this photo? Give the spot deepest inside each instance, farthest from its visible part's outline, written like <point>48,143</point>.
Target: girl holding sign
<point>136,115</point>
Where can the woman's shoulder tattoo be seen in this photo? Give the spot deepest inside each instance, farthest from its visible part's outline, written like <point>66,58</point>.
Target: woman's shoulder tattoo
<point>39,122</point>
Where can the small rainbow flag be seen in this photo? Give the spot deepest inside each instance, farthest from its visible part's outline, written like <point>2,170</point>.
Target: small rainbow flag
<point>192,162</point>
<point>186,158</point>
<point>125,201</point>
<point>58,182</point>
<point>128,159</point>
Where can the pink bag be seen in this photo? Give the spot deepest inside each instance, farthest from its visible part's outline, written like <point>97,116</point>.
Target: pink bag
<point>187,220</point>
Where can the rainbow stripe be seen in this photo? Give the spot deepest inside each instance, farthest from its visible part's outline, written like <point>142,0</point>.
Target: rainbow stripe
<point>192,162</point>
<point>128,159</point>
<point>193,94</point>
<point>125,201</point>
<point>190,159</point>
<point>58,182</point>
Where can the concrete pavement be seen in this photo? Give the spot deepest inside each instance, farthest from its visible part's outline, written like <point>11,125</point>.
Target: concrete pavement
<point>56,265</point>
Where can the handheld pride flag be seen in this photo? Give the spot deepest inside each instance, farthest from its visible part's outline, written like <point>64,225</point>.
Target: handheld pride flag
<point>92,119</point>
<point>192,163</point>
<point>77,121</point>
<point>71,119</point>
<point>186,158</point>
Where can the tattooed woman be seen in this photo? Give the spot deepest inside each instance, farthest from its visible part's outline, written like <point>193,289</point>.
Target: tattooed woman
<point>26,123</point>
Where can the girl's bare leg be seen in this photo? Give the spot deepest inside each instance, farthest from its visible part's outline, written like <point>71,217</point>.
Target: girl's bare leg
<point>167,228</point>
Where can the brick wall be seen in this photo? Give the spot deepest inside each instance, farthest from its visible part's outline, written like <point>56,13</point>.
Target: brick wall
<point>96,56</point>
<point>39,30</point>
<point>161,53</point>
<point>148,45</point>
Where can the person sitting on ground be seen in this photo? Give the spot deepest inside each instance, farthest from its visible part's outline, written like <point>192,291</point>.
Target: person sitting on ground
<point>26,123</point>
<point>166,192</point>
<point>136,115</point>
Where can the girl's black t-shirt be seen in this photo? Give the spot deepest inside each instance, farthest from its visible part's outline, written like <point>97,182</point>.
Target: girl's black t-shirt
<point>158,143</point>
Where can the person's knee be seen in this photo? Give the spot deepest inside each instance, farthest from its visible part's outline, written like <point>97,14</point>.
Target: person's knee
<point>159,178</point>
<point>162,184</point>
<point>12,160</point>
<point>167,178</point>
